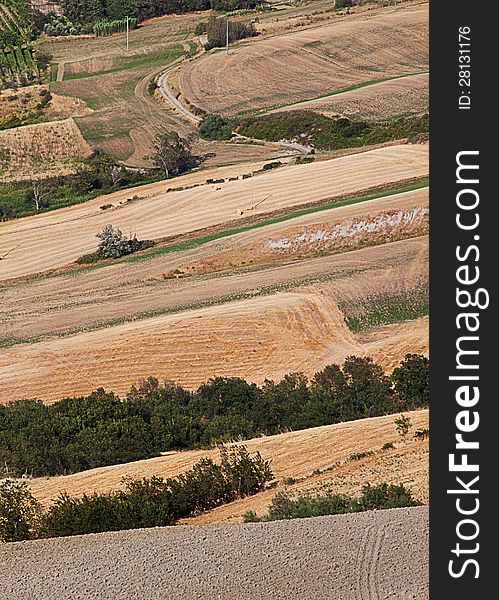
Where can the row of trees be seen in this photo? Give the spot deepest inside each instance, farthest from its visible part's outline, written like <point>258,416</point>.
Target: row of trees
<point>75,434</point>
<point>88,12</point>
<point>152,502</point>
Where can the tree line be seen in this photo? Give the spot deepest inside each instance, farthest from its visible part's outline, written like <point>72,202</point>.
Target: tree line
<point>86,13</point>
<point>100,429</point>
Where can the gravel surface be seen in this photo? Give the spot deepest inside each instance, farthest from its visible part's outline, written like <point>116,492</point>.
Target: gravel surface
<point>370,556</point>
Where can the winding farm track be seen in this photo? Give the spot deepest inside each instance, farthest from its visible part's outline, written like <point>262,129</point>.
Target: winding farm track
<point>53,239</point>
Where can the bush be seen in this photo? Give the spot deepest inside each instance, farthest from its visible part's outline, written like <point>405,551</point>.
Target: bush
<point>200,28</point>
<point>113,244</point>
<point>286,505</point>
<point>421,434</point>
<point>7,212</point>
<point>215,127</point>
<point>403,424</point>
<point>411,380</point>
<point>385,496</point>
<point>159,502</point>
<point>19,512</point>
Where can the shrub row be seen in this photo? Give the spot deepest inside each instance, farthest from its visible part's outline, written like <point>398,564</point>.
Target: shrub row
<point>286,505</point>
<point>150,502</point>
<point>330,133</point>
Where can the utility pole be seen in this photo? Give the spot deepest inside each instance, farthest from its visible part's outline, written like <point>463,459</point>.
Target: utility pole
<point>127,33</point>
<point>227,38</point>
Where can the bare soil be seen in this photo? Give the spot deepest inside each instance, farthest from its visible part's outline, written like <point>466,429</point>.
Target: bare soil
<point>380,554</point>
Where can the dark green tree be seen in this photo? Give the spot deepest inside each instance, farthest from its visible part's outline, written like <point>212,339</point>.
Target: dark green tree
<point>411,381</point>
<point>215,127</point>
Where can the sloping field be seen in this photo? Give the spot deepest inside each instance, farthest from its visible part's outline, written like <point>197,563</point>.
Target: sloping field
<point>310,63</point>
<point>264,337</point>
<point>56,305</point>
<point>295,454</point>
<point>373,102</point>
<point>54,239</point>
<point>335,230</point>
<point>380,554</point>
<point>44,149</point>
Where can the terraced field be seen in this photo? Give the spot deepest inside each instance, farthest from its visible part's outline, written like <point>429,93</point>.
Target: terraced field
<point>276,71</point>
<point>52,240</point>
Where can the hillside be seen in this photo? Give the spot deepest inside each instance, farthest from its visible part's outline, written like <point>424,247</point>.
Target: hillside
<point>362,48</point>
<point>304,455</point>
<point>158,214</point>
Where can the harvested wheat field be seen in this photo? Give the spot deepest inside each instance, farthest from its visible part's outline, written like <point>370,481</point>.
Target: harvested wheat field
<point>41,150</point>
<point>277,71</point>
<point>402,95</point>
<point>263,337</point>
<point>54,239</point>
<point>335,230</point>
<point>297,454</point>
<point>380,554</point>
<point>58,305</point>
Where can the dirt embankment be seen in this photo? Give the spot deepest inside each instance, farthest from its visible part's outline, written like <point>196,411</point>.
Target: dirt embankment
<point>380,554</point>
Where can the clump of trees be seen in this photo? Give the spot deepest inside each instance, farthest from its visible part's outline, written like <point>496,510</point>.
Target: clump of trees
<point>150,502</point>
<point>215,127</point>
<point>100,429</point>
<point>60,25</point>
<point>216,29</point>
<point>114,244</point>
<point>88,12</point>
<point>287,505</point>
<point>104,28</point>
<point>173,154</point>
